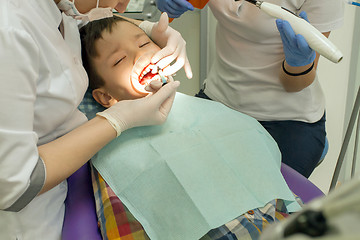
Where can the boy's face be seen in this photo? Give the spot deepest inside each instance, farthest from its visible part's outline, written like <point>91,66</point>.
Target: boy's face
<point>118,51</point>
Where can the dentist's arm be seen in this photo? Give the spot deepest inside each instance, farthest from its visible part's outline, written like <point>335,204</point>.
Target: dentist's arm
<point>68,153</point>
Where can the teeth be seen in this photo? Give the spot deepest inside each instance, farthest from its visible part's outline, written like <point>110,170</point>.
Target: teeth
<point>147,70</point>
<point>144,72</point>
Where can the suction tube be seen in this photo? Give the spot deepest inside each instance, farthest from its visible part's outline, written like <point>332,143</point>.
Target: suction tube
<point>314,37</point>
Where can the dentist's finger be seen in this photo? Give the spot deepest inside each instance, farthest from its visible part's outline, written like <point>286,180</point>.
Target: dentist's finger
<point>167,55</point>
<point>289,33</point>
<point>181,61</point>
<point>153,86</point>
<point>162,24</point>
<point>166,61</point>
<point>303,15</point>
<point>171,69</point>
<point>187,68</point>
<point>169,91</point>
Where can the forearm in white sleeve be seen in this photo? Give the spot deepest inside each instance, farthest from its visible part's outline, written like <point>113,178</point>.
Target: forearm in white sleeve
<point>22,172</point>
<point>35,184</point>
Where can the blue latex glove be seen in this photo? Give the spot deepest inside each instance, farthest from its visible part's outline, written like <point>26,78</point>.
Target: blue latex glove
<point>174,8</point>
<point>297,51</point>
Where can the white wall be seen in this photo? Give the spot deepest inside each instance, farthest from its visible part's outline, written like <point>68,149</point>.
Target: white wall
<point>353,88</point>
<point>334,79</point>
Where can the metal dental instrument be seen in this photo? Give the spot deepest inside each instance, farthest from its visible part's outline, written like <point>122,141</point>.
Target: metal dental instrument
<point>163,78</point>
<point>316,40</point>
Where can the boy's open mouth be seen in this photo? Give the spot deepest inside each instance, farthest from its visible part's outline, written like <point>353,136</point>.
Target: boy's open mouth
<point>147,76</point>
<point>140,81</point>
<point>142,74</point>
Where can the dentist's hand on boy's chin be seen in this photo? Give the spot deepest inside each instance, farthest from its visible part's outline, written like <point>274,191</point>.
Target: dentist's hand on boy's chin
<point>173,48</point>
<point>153,86</point>
<point>150,110</point>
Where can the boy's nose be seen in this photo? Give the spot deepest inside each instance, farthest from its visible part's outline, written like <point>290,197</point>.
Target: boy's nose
<point>144,56</point>
<point>137,54</point>
<point>141,61</point>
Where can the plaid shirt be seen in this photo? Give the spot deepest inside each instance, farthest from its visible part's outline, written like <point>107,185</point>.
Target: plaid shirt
<point>116,221</point>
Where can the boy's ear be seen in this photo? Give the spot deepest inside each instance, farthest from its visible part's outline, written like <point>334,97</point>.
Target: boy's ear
<point>104,98</point>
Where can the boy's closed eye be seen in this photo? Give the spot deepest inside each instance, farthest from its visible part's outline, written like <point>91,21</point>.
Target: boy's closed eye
<point>144,44</point>
<point>141,45</point>
<point>143,40</point>
<point>119,60</point>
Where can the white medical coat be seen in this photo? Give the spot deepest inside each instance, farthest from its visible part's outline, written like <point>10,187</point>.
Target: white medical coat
<point>249,54</point>
<point>42,82</point>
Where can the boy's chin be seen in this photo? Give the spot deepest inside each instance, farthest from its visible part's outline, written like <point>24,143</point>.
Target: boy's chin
<point>139,94</point>
<point>138,87</point>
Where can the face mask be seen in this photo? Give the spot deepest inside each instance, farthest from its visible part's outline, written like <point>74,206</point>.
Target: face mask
<point>97,13</point>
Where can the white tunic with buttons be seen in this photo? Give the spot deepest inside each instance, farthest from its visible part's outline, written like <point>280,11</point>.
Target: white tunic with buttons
<point>249,53</point>
<point>42,82</point>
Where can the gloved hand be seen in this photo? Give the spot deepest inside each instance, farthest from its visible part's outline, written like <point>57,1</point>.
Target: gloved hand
<point>297,51</point>
<point>155,85</point>
<point>150,110</point>
<point>174,8</point>
<point>172,44</point>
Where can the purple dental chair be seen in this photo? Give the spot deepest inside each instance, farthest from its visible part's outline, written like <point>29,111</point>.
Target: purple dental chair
<point>80,214</point>
<point>80,221</point>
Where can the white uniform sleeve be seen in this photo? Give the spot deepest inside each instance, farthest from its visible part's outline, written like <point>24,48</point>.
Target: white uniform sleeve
<point>22,172</point>
<point>325,15</point>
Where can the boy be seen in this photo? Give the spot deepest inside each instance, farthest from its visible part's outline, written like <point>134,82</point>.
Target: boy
<point>113,74</point>
<point>116,55</point>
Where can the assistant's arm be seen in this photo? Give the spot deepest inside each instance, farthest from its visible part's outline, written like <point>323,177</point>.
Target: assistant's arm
<point>65,155</point>
<point>172,44</point>
<point>298,83</point>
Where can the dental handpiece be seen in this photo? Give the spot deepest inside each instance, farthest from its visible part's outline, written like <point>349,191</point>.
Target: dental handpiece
<point>316,40</point>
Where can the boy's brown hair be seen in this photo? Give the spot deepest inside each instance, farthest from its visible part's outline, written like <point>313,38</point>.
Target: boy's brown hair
<point>89,34</point>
